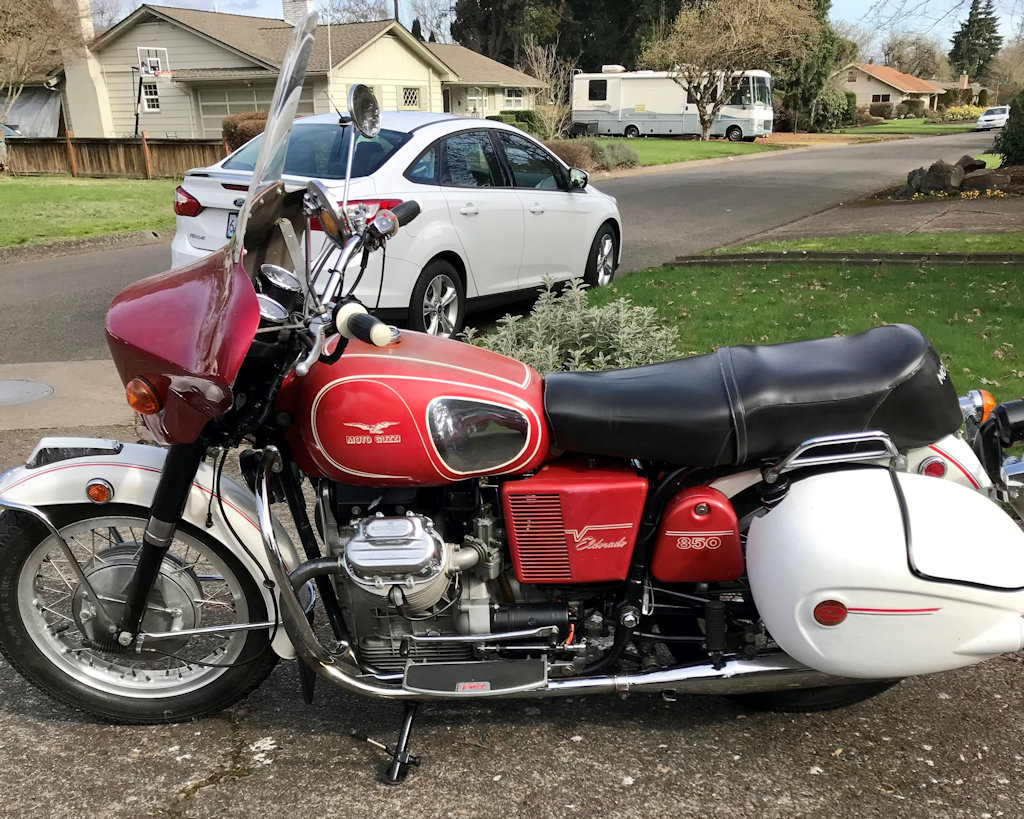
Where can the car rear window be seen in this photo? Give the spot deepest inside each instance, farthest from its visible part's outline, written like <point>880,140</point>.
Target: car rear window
<point>322,150</point>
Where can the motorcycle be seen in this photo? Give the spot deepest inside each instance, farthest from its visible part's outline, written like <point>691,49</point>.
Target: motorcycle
<point>796,526</point>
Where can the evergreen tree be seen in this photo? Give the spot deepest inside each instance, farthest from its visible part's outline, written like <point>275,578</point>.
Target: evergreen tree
<point>805,79</point>
<point>417,29</point>
<point>977,41</point>
<point>1010,142</point>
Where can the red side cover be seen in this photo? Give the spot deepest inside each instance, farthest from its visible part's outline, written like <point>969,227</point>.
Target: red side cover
<point>187,333</point>
<point>699,541</point>
<point>573,522</point>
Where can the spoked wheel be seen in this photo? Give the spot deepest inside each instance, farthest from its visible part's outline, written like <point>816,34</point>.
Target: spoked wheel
<point>737,598</point>
<point>46,617</point>
<point>438,300</point>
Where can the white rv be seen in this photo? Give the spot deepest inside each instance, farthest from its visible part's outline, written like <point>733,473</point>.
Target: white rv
<point>617,102</point>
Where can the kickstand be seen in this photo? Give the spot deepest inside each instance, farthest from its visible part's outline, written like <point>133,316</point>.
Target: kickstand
<point>398,769</point>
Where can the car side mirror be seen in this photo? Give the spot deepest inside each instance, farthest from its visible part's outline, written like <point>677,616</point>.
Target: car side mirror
<point>578,178</point>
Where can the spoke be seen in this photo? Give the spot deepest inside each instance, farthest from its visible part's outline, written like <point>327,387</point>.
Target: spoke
<point>115,536</point>
<point>446,323</point>
<point>55,613</point>
<point>448,297</point>
<point>59,572</point>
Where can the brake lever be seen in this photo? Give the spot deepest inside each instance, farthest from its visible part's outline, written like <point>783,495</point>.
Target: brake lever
<point>319,340</point>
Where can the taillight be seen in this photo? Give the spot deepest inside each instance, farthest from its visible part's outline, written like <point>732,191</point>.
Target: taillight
<point>933,468</point>
<point>185,204</point>
<point>371,207</point>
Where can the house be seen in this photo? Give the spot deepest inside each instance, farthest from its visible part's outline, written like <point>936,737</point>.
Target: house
<point>177,72</point>
<point>880,83</point>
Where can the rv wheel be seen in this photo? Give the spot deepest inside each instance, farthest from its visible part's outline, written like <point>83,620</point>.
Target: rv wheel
<point>734,134</point>
<point>632,132</point>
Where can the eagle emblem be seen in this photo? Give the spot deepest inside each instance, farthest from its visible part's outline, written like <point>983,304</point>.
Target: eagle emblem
<point>373,429</point>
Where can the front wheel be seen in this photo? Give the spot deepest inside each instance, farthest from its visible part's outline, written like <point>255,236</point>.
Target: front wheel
<point>604,253</point>
<point>631,132</point>
<point>438,305</point>
<point>734,133</point>
<point>45,616</point>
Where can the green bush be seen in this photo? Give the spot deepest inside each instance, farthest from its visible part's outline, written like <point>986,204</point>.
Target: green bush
<point>607,156</point>
<point>881,109</point>
<point>237,129</point>
<point>983,101</point>
<point>563,332</point>
<point>901,111</point>
<point>961,113</point>
<point>933,116</point>
<point>916,107</point>
<point>829,109</point>
<point>1010,143</point>
<point>529,121</point>
<point>851,107</point>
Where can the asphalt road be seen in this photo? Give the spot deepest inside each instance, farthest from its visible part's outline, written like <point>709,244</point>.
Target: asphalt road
<point>53,310</point>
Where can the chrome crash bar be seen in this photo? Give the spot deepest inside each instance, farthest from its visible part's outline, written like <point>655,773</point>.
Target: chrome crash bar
<point>835,449</point>
<point>768,673</point>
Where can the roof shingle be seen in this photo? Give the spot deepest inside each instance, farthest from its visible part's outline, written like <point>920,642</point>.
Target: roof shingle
<point>897,79</point>
<point>477,69</point>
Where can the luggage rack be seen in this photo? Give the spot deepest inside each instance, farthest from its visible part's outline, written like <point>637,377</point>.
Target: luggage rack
<point>836,449</point>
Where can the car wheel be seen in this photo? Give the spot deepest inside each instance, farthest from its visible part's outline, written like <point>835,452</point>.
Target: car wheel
<point>604,253</point>
<point>734,133</point>
<point>438,305</point>
<point>631,132</point>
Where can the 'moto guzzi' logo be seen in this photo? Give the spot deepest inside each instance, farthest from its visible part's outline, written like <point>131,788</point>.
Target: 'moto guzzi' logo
<point>374,433</point>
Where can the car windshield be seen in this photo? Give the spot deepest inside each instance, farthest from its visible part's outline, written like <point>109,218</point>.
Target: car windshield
<point>762,91</point>
<point>321,151</point>
<point>991,112</point>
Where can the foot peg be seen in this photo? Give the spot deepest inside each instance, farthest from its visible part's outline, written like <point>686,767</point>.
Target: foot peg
<point>398,769</point>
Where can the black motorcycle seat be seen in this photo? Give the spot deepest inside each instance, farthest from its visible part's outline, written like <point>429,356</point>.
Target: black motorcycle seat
<point>749,403</point>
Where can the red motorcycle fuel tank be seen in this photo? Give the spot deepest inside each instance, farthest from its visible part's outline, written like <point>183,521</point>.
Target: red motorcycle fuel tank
<point>699,539</point>
<point>424,411</point>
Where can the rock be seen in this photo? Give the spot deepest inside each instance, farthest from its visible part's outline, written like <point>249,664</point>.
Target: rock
<point>914,180</point>
<point>942,176</point>
<point>969,163</point>
<point>986,180</point>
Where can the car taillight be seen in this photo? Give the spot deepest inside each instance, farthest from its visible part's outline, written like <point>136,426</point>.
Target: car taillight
<point>185,204</point>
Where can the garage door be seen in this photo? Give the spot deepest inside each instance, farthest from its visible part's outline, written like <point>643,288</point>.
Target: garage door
<point>217,103</point>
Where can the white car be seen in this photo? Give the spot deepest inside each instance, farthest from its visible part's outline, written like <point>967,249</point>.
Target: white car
<point>993,118</point>
<point>499,212</point>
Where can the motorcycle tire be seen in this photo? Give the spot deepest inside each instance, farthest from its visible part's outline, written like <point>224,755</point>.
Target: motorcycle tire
<point>41,618</point>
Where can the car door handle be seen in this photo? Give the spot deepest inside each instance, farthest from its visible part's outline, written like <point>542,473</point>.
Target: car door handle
<point>469,209</point>
<point>535,208</point>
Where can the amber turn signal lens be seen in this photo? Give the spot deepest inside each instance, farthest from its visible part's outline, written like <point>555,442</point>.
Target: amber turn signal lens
<point>99,491</point>
<point>142,397</point>
<point>988,403</point>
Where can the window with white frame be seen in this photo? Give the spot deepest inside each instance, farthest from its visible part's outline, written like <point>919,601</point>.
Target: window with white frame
<point>411,98</point>
<point>152,60</point>
<point>514,98</point>
<point>150,96</point>
<point>476,100</point>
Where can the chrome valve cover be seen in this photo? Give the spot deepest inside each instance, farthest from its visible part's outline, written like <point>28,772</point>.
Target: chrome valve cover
<point>395,549</point>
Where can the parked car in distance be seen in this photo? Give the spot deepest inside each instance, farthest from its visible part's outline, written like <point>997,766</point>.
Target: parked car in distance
<point>993,118</point>
<point>499,212</point>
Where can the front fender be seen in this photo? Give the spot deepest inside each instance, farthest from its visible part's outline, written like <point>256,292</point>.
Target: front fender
<point>134,472</point>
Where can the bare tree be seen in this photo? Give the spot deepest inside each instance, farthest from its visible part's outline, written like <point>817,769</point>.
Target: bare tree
<point>916,55</point>
<point>554,105</point>
<point>924,15</point>
<point>1007,71</point>
<point>33,33</point>
<point>105,13</point>
<point>435,17</point>
<point>865,38</point>
<point>708,46</point>
<point>353,11</point>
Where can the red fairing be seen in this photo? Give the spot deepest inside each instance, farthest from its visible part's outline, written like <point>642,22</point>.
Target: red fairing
<point>423,412</point>
<point>699,540</point>
<point>187,333</point>
<point>573,522</point>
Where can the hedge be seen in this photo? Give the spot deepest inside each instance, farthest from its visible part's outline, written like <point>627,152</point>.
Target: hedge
<point>240,128</point>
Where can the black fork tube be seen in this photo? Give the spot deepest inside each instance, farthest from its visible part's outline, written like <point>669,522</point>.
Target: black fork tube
<point>172,492</point>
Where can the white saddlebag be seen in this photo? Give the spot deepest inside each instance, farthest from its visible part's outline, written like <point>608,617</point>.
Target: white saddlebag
<point>931,577</point>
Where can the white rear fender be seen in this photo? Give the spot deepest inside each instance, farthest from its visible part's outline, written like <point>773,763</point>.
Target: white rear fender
<point>133,470</point>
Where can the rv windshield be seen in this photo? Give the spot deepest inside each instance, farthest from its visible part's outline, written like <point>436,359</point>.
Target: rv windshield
<point>762,91</point>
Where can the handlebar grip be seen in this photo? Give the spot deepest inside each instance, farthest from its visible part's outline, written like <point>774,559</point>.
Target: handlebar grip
<point>405,212</point>
<point>369,329</point>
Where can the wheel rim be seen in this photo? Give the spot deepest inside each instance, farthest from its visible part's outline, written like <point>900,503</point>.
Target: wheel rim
<point>734,134</point>
<point>53,608</point>
<point>605,263</point>
<point>440,306</point>
<point>632,132</point>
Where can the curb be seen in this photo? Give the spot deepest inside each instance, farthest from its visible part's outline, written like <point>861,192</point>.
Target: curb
<point>67,247</point>
<point>859,259</point>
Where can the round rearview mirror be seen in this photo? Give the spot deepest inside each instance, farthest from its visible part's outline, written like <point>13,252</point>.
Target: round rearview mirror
<point>364,110</point>
<point>320,203</point>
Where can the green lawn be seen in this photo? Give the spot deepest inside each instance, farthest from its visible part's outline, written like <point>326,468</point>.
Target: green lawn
<point>35,210</point>
<point>896,242</point>
<point>910,126</point>
<point>991,160</point>
<point>654,151</point>
<point>971,314</point>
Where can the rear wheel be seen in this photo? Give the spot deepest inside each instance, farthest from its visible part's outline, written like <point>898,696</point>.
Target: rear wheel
<point>45,616</point>
<point>631,132</point>
<point>734,133</point>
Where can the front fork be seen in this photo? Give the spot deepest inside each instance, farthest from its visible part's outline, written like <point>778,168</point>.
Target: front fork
<point>172,492</point>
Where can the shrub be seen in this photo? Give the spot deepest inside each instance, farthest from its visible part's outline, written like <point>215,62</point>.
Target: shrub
<point>529,121</point>
<point>829,108</point>
<point>240,128</point>
<point>901,111</point>
<point>955,97</point>
<point>983,101</point>
<point>563,332</point>
<point>575,153</point>
<point>881,109</point>
<point>864,118</point>
<point>933,116</point>
<point>916,107</point>
<point>960,113</point>
<point>851,107</point>
<point>1010,143</point>
<point>611,155</point>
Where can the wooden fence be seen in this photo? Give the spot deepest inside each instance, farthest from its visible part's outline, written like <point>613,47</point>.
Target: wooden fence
<point>142,158</point>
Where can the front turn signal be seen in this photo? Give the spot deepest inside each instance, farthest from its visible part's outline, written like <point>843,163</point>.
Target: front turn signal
<point>988,403</point>
<point>142,397</point>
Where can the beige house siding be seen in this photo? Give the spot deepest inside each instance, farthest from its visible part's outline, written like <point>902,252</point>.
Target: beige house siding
<point>493,99</point>
<point>389,68</point>
<point>867,87</point>
<point>178,115</point>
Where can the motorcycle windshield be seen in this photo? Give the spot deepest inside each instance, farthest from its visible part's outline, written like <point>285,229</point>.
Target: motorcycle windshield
<point>270,162</point>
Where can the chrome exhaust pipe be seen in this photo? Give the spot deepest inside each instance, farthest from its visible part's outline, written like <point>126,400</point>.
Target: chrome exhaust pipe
<point>771,673</point>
